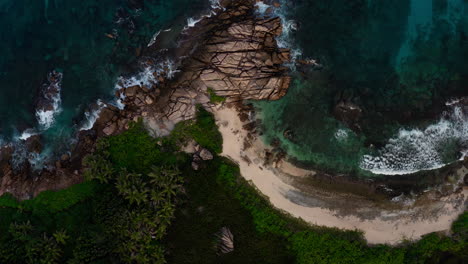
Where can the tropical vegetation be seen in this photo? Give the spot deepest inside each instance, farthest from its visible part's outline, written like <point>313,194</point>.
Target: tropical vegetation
<point>141,202</point>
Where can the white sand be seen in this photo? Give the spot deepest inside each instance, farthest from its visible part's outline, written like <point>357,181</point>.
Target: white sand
<point>268,183</point>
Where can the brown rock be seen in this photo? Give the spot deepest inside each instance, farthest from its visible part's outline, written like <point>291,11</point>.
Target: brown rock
<point>65,157</point>
<point>348,113</point>
<point>110,129</point>
<point>34,144</point>
<point>195,166</point>
<point>206,154</point>
<point>131,91</point>
<point>148,100</point>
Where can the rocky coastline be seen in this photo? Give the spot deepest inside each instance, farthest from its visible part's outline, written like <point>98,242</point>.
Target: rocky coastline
<point>233,54</point>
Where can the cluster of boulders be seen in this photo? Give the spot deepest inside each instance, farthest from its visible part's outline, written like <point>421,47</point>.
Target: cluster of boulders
<point>201,155</point>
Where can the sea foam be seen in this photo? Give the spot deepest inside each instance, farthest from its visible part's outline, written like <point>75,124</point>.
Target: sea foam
<point>422,149</point>
<point>50,101</point>
<point>92,115</point>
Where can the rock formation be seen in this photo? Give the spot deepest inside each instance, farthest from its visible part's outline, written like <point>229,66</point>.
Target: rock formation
<point>233,53</point>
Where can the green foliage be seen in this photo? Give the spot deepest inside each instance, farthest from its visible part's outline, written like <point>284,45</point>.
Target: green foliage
<point>136,151</point>
<point>7,200</point>
<point>209,206</point>
<point>327,245</point>
<point>98,165</point>
<point>25,244</point>
<point>460,227</point>
<point>55,201</point>
<point>215,98</point>
<point>264,217</point>
<point>312,247</point>
<point>52,201</point>
<point>125,219</point>
<point>148,180</point>
<point>203,130</point>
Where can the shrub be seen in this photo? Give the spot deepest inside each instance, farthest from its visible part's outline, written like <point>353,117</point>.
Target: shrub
<point>203,130</point>
<point>215,98</point>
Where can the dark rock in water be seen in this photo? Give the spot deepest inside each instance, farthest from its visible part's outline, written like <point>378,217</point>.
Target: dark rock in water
<point>34,144</point>
<point>348,113</point>
<point>288,134</point>
<point>50,92</point>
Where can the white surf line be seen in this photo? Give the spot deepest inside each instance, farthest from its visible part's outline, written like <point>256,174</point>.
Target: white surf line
<point>420,149</point>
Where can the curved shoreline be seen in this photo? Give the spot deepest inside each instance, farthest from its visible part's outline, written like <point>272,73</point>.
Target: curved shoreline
<point>387,226</point>
<point>236,37</point>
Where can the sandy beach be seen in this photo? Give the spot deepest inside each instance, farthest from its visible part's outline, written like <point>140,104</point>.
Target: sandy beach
<point>386,226</point>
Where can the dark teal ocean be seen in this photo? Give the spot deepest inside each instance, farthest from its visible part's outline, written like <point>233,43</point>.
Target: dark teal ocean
<point>402,62</point>
<point>399,61</point>
<point>91,42</point>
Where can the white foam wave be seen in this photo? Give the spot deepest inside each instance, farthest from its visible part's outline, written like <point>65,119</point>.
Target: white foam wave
<point>215,6</point>
<point>191,22</point>
<point>51,101</point>
<point>168,67</point>
<point>27,134</point>
<point>154,38</point>
<point>415,150</point>
<point>143,78</point>
<point>92,115</point>
<point>262,7</point>
<point>45,118</point>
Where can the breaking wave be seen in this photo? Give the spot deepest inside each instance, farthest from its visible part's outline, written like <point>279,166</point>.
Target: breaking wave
<point>432,148</point>
<point>49,104</point>
<point>92,115</point>
<point>214,6</point>
<point>27,134</point>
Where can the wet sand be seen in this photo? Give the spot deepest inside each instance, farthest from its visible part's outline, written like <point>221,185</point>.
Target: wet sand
<point>385,226</point>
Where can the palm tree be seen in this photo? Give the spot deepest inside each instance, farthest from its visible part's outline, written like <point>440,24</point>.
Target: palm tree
<point>61,236</point>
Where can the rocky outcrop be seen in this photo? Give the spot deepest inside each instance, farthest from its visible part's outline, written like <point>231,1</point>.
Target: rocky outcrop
<point>232,53</point>
<point>243,61</point>
<point>50,92</point>
<point>236,57</point>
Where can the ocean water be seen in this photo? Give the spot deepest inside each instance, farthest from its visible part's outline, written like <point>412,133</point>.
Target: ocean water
<point>400,61</point>
<point>90,42</point>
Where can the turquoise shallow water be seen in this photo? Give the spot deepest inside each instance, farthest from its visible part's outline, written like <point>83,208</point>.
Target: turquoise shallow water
<point>400,61</point>
<point>73,37</point>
